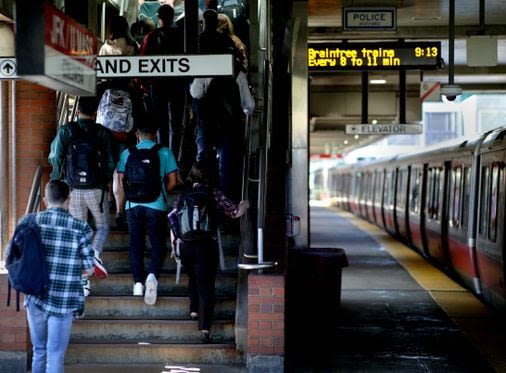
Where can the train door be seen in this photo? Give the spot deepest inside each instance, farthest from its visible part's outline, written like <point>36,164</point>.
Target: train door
<point>415,207</point>
<point>401,205</point>
<point>435,211</point>
<point>459,250</point>
<point>389,199</point>
<point>491,226</point>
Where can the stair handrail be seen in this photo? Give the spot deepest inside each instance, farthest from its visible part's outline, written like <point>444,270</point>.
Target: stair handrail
<point>262,177</point>
<point>33,204</point>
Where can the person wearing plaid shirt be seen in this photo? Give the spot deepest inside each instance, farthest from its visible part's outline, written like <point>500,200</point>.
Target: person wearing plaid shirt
<point>69,255</point>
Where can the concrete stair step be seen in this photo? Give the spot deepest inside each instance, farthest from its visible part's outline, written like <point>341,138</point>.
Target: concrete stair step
<point>151,368</point>
<point>122,284</point>
<point>148,331</point>
<point>159,353</point>
<point>167,308</point>
<point>117,261</point>
<point>119,239</point>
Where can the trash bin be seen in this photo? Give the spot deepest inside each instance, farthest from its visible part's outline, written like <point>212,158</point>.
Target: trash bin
<point>313,291</point>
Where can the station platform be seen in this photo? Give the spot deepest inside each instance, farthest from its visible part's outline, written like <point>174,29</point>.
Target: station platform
<point>398,312</point>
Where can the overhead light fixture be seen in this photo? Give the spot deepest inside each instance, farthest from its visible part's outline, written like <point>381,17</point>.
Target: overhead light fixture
<point>356,137</point>
<point>425,18</point>
<point>377,81</point>
<point>345,142</point>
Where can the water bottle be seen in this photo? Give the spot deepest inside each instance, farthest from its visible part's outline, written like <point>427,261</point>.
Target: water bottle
<point>174,225</point>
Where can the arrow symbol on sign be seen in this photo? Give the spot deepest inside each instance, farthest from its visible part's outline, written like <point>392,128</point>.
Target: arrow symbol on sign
<point>8,67</point>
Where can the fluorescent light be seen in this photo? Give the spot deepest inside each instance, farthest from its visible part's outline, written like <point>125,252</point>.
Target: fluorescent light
<point>425,18</point>
<point>377,81</point>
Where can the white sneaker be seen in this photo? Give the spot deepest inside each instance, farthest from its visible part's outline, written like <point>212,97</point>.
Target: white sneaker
<point>151,290</point>
<point>138,289</point>
<point>86,286</point>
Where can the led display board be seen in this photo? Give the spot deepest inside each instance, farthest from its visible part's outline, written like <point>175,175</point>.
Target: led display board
<point>374,56</point>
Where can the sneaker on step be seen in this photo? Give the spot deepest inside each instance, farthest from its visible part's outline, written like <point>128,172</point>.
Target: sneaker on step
<point>100,271</point>
<point>138,289</point>
<point>151,289</point>
<point>86,286</point>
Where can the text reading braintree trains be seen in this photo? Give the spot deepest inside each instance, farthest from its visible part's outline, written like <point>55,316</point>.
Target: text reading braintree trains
<point>365,56</point>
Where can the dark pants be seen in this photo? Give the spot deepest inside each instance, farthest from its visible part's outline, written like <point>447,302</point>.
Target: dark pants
<point>169,100</point>
<point>200,260</point>
<point>141,220</point>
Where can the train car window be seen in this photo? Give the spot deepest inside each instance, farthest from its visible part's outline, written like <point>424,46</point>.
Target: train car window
<point>437,191</point>
<point>494,200</point>
<point>402,187</point>
<point>415,190</point>
<point>455,197</point>
<point>484,202</point>
<point>430,193</point>
<point>466,185</point>
<point>391,194</point>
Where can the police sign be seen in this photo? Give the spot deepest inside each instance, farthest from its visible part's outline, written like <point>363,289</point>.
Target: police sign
<point>364,19</point>
<point>164,66</point>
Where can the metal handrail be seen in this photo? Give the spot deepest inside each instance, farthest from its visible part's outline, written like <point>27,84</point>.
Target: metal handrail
<point>34,198</point>
<point>262,177</point>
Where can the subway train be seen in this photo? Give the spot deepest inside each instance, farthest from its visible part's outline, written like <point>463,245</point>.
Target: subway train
<point>448,203</point>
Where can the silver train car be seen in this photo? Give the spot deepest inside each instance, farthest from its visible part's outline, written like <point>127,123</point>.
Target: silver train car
<point>448,203</point>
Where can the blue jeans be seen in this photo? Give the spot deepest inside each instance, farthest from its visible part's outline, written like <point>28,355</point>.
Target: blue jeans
<point>50,337</point>
<point>141,220</point>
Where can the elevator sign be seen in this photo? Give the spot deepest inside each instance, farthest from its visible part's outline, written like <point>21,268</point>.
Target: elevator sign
<point>383,129</point>
<point>164,66</point>
<point>369,19</point>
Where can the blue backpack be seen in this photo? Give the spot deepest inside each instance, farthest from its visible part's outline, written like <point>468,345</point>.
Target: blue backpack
<point>26,261</point>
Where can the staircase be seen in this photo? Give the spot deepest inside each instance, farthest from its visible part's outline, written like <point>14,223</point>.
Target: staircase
<point>119,328</point>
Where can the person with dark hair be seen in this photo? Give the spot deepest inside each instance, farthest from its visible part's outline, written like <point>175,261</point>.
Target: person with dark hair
<point>67,245</point>
<point>196,236</point>
<point>81,154</point>
<point>168,95</point>
<point>141,28</point>
<point>147,173</point>
<point>119,42</point>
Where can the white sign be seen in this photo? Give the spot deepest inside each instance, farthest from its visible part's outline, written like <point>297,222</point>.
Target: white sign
<point>68,70</point>
<point>8,68</point>
<point>383,129</point>
<point>430,91</point>
<point>164,66</point>
<point>369,18</point>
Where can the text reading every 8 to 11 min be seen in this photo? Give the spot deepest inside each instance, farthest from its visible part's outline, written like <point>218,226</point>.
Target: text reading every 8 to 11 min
<point>373,56</point>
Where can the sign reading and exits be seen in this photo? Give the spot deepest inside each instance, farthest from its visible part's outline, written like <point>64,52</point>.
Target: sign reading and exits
<point>8,68</point>
<point>384,129</point>
<point>164,66</point>
<point>374,56</point>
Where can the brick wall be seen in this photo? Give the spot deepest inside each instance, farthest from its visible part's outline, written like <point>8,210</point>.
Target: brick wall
<point>266,314</point>
<point>36,128</point>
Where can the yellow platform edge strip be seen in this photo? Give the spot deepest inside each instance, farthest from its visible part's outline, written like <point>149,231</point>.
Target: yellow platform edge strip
<point>467,312</point>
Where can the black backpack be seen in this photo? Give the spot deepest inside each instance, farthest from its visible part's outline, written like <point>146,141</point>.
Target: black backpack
<point>197,214</point>
<point>84,166</point>
<point>141,180</point>
<point>223,109</point>
<point>26,261</point>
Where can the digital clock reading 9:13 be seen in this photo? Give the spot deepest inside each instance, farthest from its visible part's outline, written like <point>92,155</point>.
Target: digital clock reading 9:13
<point>427,52</point>
<point>374,56</point>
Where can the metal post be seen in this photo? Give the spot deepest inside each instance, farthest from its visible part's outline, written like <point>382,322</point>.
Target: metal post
<point>365,97</point>
<point>451,43</point>
<point>402,96</point>
<point>12,158</point>
<point>191,26</point>
<point>102,22</point>
<point>4,155</point>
